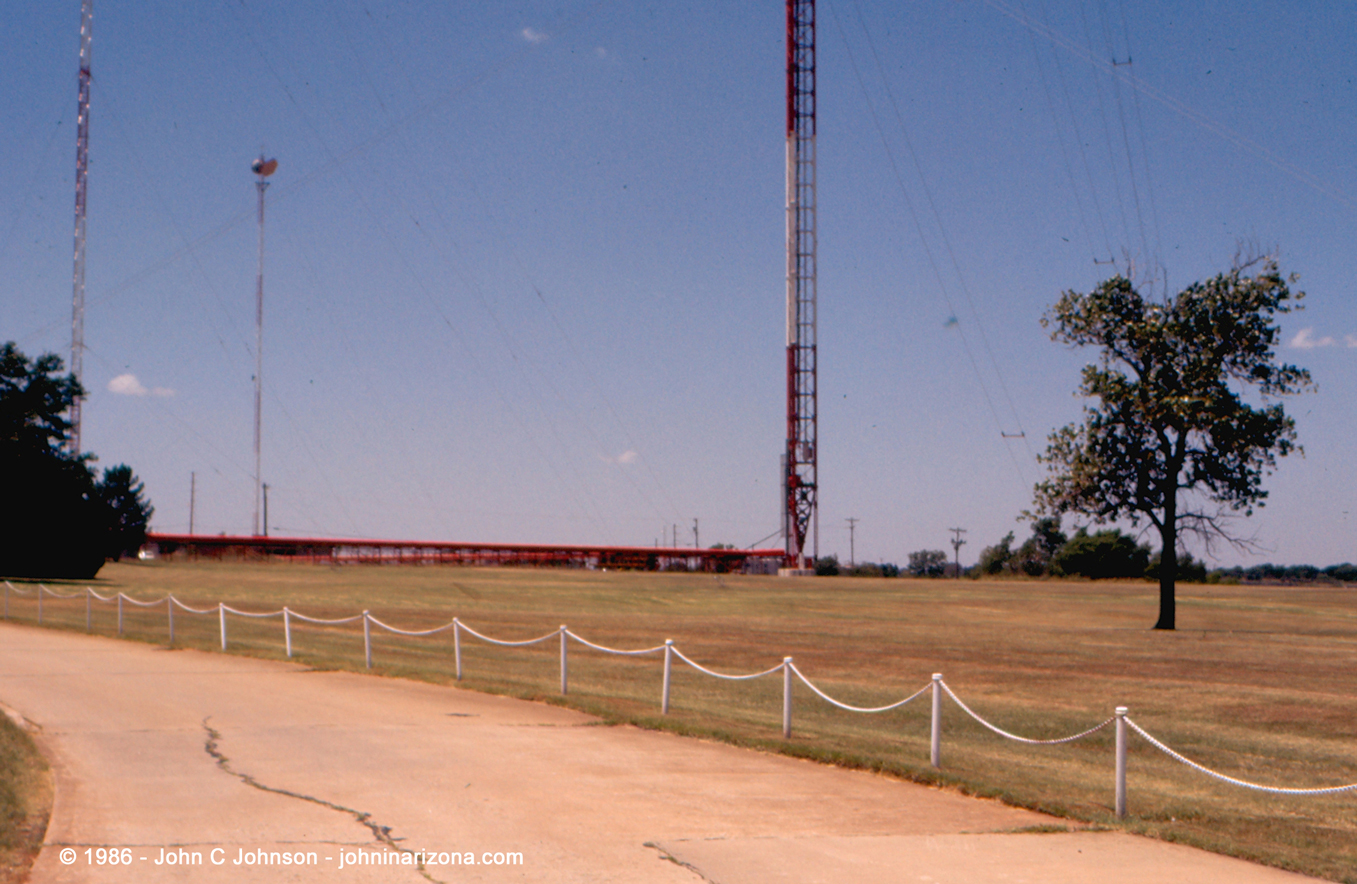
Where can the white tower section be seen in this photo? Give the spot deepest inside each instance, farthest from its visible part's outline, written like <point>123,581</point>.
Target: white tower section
<point>799,480</point>
<point>263,168</point>
<point>82,147</point>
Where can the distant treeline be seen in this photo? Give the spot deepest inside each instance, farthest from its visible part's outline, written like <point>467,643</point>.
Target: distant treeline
<point>1190,571</point>
<point>1101,555</point>
<point>1269,573</point>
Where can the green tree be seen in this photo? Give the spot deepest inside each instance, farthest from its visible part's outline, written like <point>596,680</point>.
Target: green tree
<point>998,558</point>
<point>34,398</point>
<point>1034,557</point>
<point>127,511</point>
<point>1189,569</point>
<point>1170,433</point>
<point>927,563</point>
<point>1102,555</point>
<point>55,519</point>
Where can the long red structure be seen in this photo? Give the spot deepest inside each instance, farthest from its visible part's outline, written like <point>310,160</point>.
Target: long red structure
<point>418,552</point>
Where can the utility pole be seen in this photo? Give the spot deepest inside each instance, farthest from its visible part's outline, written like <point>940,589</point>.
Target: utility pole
<point>192,498</point>
<point>957,543</point>
<point>852,557</point>
<point>82,149</point>
<point>263,168</point>
<point>697,544</point>
<point>266,509</point>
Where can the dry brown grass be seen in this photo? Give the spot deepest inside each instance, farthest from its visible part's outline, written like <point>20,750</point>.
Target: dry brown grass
<point>25,801</point>
<point>1257,681</point>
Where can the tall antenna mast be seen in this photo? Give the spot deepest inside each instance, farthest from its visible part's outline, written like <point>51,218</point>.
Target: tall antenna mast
<point>799,484</point>
<point>263,168</point>
<point>82,148</point>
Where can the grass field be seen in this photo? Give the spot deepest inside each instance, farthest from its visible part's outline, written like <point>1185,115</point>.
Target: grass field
<point>1258,682</point>
<point>25,801</point>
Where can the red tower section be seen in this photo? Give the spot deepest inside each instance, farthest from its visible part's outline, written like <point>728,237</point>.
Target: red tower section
<point>799,481</point>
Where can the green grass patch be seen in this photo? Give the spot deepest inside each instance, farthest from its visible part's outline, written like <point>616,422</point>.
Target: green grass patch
<point>1256,682</point>
<point>25,801</point>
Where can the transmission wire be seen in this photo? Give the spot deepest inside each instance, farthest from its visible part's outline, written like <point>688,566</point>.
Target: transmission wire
<point>918,226</point>
<point>942,231</point>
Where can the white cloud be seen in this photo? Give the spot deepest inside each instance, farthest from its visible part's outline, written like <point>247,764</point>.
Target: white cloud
<point>127,385</point>
<point>628,457</point>
<point>1305,340</point>
<point>534,36</point>
<point>1351,340</point>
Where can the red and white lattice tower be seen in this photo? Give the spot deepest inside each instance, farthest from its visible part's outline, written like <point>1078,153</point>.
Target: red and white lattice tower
<point>799,485</point>
<point>82,148</point>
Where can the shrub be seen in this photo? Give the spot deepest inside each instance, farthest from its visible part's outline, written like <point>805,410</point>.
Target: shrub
<point>1346,572</point>
<point>827,566</point>
<point>1102,555</point>
<point>1189,569</point>
<point>998,558</point>
<point>927,563</point>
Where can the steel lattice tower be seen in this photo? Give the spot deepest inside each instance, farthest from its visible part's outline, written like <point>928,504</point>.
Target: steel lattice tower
<point>263,169</point>
<point>82,147</point>
<point>799,483</point>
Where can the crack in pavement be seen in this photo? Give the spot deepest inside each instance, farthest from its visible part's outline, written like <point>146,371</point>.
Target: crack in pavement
<point>666,855</point>
<point>379,832</point>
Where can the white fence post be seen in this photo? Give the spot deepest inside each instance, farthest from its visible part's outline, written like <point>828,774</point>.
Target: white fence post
<point>169,605</point>
<point>367,640</point>
<point>786,698</point>
<point>457,646</point>
<point>935,751</point>
<point>1121,762</point>
<point>87,609</point>
<point>221,615</point>
<point>120,613</point>
<point>563,666</point>
<point>287,630</point>
<point>668,668</point>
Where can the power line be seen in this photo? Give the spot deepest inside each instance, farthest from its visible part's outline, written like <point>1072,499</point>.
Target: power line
<point>1175,105</point>
<point>923,239</point>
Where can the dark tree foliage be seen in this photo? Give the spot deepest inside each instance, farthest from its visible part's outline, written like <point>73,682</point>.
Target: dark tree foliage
<point>827,566</point>
<point>927,563</point>
<point>997,559</point>
<point>127,511</point>
<point>1169,428</point>
<point>56,521</point>
<point>1287,574</point>
<point>1103,555</point>
<point>1346,572</point>
<point>34,396</point>
<point>1189,569</point>
<point>1034,557</point>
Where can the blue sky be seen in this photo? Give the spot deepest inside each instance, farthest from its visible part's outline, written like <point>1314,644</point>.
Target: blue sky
<point>524,262</point>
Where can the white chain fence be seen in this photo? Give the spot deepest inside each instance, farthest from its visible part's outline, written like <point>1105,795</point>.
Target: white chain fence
<point>1275,790</point>
<point>1003,733</point>
<point>787,667</point>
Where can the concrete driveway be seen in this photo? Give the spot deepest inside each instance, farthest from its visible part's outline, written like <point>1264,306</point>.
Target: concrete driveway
<point>193,766</point>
